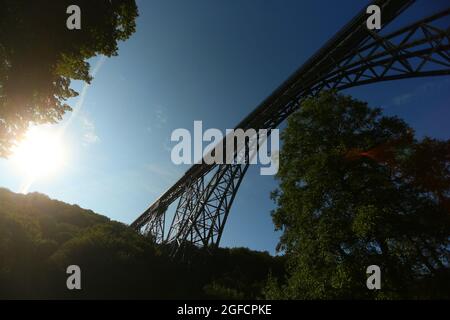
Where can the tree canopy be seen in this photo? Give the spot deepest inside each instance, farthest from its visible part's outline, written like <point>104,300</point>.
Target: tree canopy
<point>40,238</point>
<point>358,189</point>
<point>39,56</point>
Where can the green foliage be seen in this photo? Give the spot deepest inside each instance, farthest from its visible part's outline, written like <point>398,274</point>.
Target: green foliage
<point>218,291</point>
<point>235,273</point>
<point>357,189</point>
<point>40,238</point>
<point>39,56</point>
<point>32,227</point>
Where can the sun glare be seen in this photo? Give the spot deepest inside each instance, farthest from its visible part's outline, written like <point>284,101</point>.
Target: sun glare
<point>40,153</point>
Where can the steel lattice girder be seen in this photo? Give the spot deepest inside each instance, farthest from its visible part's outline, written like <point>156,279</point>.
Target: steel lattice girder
<point>204,224</point>
<point>354,56</point>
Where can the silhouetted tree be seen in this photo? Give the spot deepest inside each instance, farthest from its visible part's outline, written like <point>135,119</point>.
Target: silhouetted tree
<point>357,189</point>
<point>39,56</point>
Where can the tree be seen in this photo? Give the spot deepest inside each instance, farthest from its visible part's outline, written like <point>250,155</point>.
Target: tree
<point>357,189</point>
<point>39,56</point>
<point>41,237</point>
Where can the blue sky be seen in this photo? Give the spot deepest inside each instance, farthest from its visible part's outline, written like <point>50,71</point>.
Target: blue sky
<point>212,61</point>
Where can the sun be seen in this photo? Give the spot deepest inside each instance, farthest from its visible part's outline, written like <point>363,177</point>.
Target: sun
<point>40,153</point>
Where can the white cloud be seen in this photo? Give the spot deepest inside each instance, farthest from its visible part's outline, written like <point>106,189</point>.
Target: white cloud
<point>158,120</point>
<point>161,116</point>
<point>163,174</point>
<point>89,134</point>
<point>425,88</point>
<point>158,170</point>
<point>79,104</point>
<point>402,99</point>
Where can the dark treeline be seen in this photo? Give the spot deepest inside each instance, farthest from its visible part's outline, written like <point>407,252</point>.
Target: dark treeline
<point>40,237</point>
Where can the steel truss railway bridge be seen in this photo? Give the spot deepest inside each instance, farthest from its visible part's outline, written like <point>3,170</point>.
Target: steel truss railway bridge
<point>355,56</point>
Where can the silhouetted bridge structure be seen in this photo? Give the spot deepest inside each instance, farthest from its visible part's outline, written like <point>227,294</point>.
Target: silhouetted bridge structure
<point>354,56</point>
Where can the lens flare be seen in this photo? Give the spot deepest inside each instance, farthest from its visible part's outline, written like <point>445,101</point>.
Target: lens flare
<point>40,154</point>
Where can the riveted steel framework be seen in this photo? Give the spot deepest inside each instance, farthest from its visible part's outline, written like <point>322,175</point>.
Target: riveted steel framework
<point>354,56</point>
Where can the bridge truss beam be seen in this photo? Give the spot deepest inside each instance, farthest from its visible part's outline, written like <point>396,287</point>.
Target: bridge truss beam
<point>354,56</point>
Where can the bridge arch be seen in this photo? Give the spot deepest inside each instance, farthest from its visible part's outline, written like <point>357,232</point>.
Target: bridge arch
<point>355,56</point>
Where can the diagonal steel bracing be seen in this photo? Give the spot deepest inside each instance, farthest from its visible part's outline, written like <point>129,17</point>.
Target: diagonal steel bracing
<point>354,56</point>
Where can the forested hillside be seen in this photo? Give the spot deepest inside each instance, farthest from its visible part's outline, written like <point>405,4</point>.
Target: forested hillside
<point>40,237</point>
